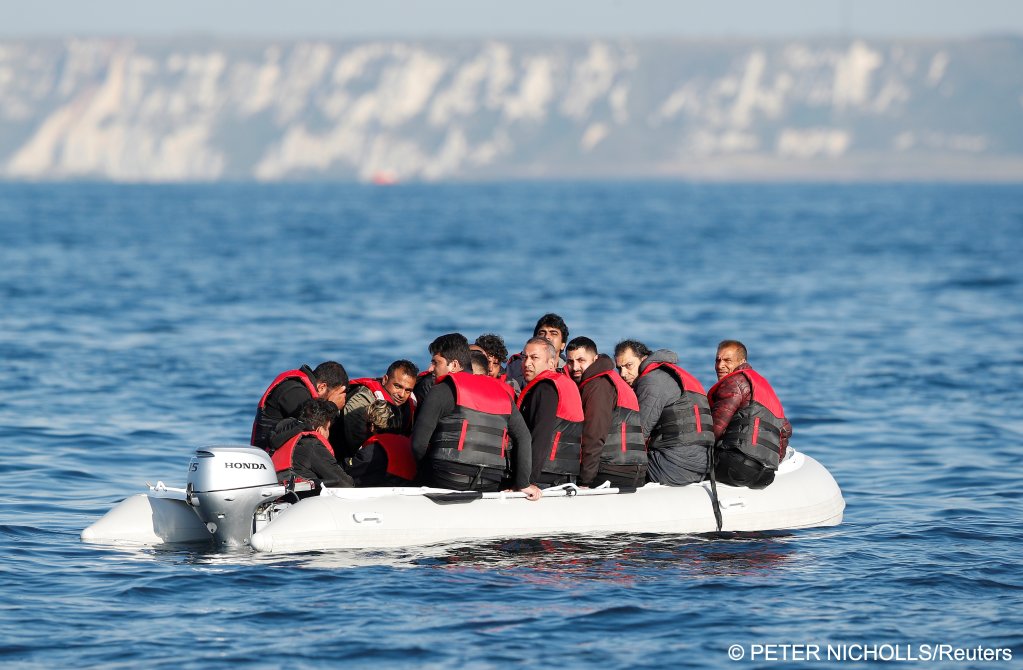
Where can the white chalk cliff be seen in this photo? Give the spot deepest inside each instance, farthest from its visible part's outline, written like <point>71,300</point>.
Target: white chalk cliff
<point>203,109</point>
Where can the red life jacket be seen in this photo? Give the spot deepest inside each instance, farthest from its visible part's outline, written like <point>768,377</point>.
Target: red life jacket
<point>624,444</point>
<point>378,390</point>
<point>283,458</point>
<point>476,432</point>
<point>562,455</point>
<point>687,421</point>
<point>400,461</point>
<point>755,430</point>
<point>290,374</point>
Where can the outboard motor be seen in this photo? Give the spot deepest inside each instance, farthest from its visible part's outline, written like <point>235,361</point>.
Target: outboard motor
<point>226,485</point>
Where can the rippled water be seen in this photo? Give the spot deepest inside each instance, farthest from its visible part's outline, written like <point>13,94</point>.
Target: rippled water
<point>142,321</point>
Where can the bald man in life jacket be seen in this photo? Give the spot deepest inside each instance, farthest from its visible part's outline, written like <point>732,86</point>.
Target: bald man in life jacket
<point>750,428</point>
<point>553,410</point>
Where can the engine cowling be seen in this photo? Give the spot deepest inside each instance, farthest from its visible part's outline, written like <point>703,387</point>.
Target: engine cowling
<point>226,485</point>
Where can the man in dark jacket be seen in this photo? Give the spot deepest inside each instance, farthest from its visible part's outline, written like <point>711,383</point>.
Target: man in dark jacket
<point>750,427</point>
<point>301,450</point>
<point>469,454</point>
<point>290,390</point>
<point>610,452</point>
<point>674,412</point>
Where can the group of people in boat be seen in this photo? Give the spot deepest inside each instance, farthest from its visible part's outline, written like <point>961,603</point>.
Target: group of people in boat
<point>557,412</point>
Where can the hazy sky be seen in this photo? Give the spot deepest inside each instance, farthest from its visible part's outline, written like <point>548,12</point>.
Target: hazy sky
<point>456,18</point>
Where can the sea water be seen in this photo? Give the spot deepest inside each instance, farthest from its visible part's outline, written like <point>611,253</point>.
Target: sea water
<point>140,322</point>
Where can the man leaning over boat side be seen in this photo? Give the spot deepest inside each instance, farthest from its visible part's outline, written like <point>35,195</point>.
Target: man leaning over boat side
<point>461,436</point>
<point>612,447</point>
<point>290,390</point>
<point>553,411</point>
<point>351,430</point>
<point>750,428</point>
<point>301,450</point>
<point>674,413</point>
<point>550,326</point>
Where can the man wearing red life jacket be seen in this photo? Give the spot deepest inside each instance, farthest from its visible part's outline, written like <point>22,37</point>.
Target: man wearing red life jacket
<point>290,390</point>
<point>301,450</point>
<point>674,412</point>
<point>750,427</point>
<point>469,436</point>
<point>385,457</point>
<point>553,410</point>
<point>551,327</point>
<point>612,444</point>
<point>395,387</point>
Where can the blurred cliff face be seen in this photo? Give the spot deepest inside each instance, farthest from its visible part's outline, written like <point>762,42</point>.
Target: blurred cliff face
<point>161,110</point>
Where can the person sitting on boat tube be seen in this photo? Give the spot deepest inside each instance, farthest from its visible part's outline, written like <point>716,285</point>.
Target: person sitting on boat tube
<point>612,447</point>
<point>469,436</point>
<point>395,387</point>
<point>301,450</point>
<point>385,457</point>
<point>552,327</point>
<point>553,410</point>
<point>674,413</point>
<point>290,390</point>
<point>750,427</point>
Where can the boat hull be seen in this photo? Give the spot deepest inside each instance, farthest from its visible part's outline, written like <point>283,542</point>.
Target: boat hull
<point>803,495</point>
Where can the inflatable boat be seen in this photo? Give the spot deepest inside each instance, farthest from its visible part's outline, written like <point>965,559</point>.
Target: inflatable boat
<point>232,499</point>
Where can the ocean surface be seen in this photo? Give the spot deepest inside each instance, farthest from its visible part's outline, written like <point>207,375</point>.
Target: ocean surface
<point>139,322</point>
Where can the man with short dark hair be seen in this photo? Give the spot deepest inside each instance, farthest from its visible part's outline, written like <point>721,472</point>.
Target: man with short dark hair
<point>553,411</point>
<point>750,427</point>
<point>480,363</point>
<point>395,387</point>
<point>674,413</point>
<point>461,435</point>
<point>551,327</point>
<point>301,450</point>
<point>290,390</point>
<point>451,350</point>
<point>612,444</point>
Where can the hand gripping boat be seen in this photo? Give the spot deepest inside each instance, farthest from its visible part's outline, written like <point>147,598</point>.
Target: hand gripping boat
<point>232,498</point>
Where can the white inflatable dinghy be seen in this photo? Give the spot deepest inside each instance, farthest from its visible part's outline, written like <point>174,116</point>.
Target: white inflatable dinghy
<point>233,499</point>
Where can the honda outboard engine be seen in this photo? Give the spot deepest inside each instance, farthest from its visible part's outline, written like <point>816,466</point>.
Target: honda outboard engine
<point>226,485</point>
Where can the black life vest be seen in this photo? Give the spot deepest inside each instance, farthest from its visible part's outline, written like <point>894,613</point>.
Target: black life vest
<point>284,458</point>
<point>379,392</point>
<point>563,454</point>
<point>755,430</point>
<point>400,461</point>
<point>687,421</point>
<point>262,426</point>
<point>476,432</point>
<point>624,444</point>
